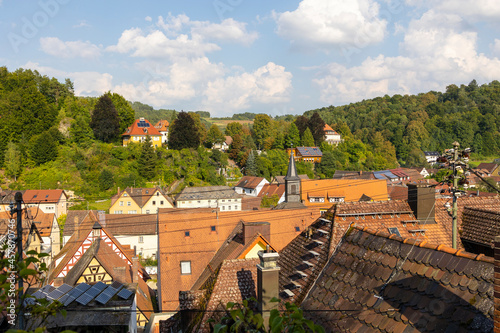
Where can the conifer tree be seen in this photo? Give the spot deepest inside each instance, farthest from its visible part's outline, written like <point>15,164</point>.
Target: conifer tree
<point>147,160</point>
<point>307,138</point>
<point>183,132</point>
<point>105,121</point>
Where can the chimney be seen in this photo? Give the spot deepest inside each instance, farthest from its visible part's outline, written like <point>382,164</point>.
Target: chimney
<point>102,218</point>
<point>119,274</point>
<point>267,283</point>
<point>135,269</point>
<point>422,198</point>
<point>77,226</point>
<point>250,229</point>
<point>58,281</point>
<point>118,190</point>
<point>496,286</point>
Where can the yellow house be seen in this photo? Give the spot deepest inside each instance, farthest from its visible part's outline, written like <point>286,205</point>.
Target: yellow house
<point>139,201</point>
<point>138,132</point>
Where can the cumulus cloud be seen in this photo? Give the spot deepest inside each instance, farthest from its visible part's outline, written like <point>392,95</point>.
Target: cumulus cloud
<point>157,45</point>
<point>433,54</point>
<point>71,49</point>
<point>268,84</point>
<point>86,83</point>
<point>228,30</point>
<point>470,9</point>
<point>328,23</point>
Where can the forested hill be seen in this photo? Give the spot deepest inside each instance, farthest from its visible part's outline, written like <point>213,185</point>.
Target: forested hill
<point>469,114</point>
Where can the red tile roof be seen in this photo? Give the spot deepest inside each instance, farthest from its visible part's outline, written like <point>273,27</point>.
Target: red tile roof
<point>272,189</point>
<point>481,226</point>
<point>162,125</point>
<point>249,182</point>
<point>43,196</point>
<point>134,129</point>
<point>381,282</point>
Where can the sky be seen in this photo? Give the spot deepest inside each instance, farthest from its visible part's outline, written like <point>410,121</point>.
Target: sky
<point>233,56</point>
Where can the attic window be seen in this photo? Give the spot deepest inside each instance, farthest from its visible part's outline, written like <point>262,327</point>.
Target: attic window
<point>394,231</point>
<point>35,196</point>
<point>185,267</point>
<point>212,228</point>
<point>186,234</point>
<point>297,229</point>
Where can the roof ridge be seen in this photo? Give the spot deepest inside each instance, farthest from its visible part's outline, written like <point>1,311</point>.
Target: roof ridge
<point>425,244</point>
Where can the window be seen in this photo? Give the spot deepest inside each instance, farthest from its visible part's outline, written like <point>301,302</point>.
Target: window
<point>125,194</point>
<point>141,239</point>
<point>223,207</point>
<point>229,200</point>
<point>147,211</point>
<point>228,207</point>
<point>154,203</point>
<point>297,228</point>
<point>118,211</point>
<point>235,207</point>
<point>129,203</point>
<point>121,203</point>
<point>212,228</point>
<point>185,267</point>
<point>186,233</point>
<point>223,200</point>
<point>157,194</point>
<point>132,212</point>
<point>161,202</point>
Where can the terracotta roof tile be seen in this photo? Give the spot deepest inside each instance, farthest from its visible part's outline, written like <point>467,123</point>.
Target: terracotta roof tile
<point>409,298</point>
<point>480,226</point>
<point>135,129</point>
<point>44,196</point>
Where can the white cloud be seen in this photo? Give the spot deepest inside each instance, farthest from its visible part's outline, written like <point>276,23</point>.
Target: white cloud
<point>327,23</point>
<point>496,47</point>
<point>86,83</point>
<point>228,30</point>
<point>470,9</point>
<point>157,45</point>
<point>82,24</point>
<point>148,19</point>
<point>268,84</point>
<point>434,53</point>
<point>71,49</point>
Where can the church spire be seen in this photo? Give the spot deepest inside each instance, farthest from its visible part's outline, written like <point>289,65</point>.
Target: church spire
<point>292,170</point>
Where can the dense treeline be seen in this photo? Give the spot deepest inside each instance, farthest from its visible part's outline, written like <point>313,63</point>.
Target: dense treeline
<point>469,114</point>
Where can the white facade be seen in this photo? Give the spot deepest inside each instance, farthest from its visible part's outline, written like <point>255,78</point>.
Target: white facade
<point>332,138</point>
<point>222,204</point>
<point>253,192</point>
<point>145,245</point>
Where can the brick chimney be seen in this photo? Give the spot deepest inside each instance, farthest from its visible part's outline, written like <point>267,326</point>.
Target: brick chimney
<point>102,217</point>
<point>58,281</point>
<point>496,287</point>
<point>250,229</point>
<point>135,269</point>
<point>422,199</point>
<point>267,283</point>
<point>119,274</point>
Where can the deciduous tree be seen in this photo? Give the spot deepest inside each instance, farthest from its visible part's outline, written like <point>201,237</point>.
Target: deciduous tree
<point>183,132</point>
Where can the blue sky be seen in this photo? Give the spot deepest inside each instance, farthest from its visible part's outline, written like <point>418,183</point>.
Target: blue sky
<point>233,56</point>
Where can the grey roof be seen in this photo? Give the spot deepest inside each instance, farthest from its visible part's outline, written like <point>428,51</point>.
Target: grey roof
<point>309,151</point>
<point>207,192</point>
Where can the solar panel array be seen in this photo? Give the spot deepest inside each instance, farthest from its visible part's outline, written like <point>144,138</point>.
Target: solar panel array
<point>82,293</point>
<point>142,123</point>
<point>125,293</point>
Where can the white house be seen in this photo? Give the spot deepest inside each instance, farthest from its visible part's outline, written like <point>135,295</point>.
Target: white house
<point>250,185</point>
<point>222,197</point>
<point>431,156</point>
<point>331,136</point>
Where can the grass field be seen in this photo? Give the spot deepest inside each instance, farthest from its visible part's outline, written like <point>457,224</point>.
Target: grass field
<point>223,123</point>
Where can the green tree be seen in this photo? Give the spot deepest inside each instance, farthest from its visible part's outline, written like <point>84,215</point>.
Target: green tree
<point>214,136</point>
<point>12,160</point>
<point>302,123</point>
<point>328,164</point>
<point>292,138</point>
<point>125,111</point>
<point>262,129</point>
<point>147,160</point>
<point>105,121</point>
<point>80,131</point>
<point>251,165</point>
<point>235,148</point>
<point>183,132</point>
<point>307,138</point>
<point>234,128</point>
<point>106,180</point>
<point>202,130</point>
<point>317,127</point>
<point>43,148</point>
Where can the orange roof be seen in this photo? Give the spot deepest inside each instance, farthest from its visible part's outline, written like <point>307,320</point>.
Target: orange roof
<point>352,189</point>
<point>328,128</point>
<point>162,125</point>
<point>43,221</point>
<point>202,243</point>
<point>272,189</point>
<point>136,129</point>
<point>42,196</point>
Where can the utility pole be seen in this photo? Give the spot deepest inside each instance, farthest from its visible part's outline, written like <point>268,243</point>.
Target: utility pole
<point>458,162</point>
<point>19,198</point>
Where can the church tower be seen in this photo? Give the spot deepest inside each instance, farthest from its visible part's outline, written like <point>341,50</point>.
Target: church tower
<point>292,182</point>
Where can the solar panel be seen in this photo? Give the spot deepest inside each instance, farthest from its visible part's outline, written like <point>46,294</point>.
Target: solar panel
<point>106,295</point>
<point>55,294</point>
<point>39,294</point>
<point>74,294</point>
<point>64,288</point>
<point>394,231</point>
<point>96,289</point>
<point>47,289</point>
<point>117,285</point>
<point>84,299</point>
<point>125,293</point>
<point>83,287</point>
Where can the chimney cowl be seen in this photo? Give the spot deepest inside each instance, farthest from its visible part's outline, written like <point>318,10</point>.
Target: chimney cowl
<point>268,260</point>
